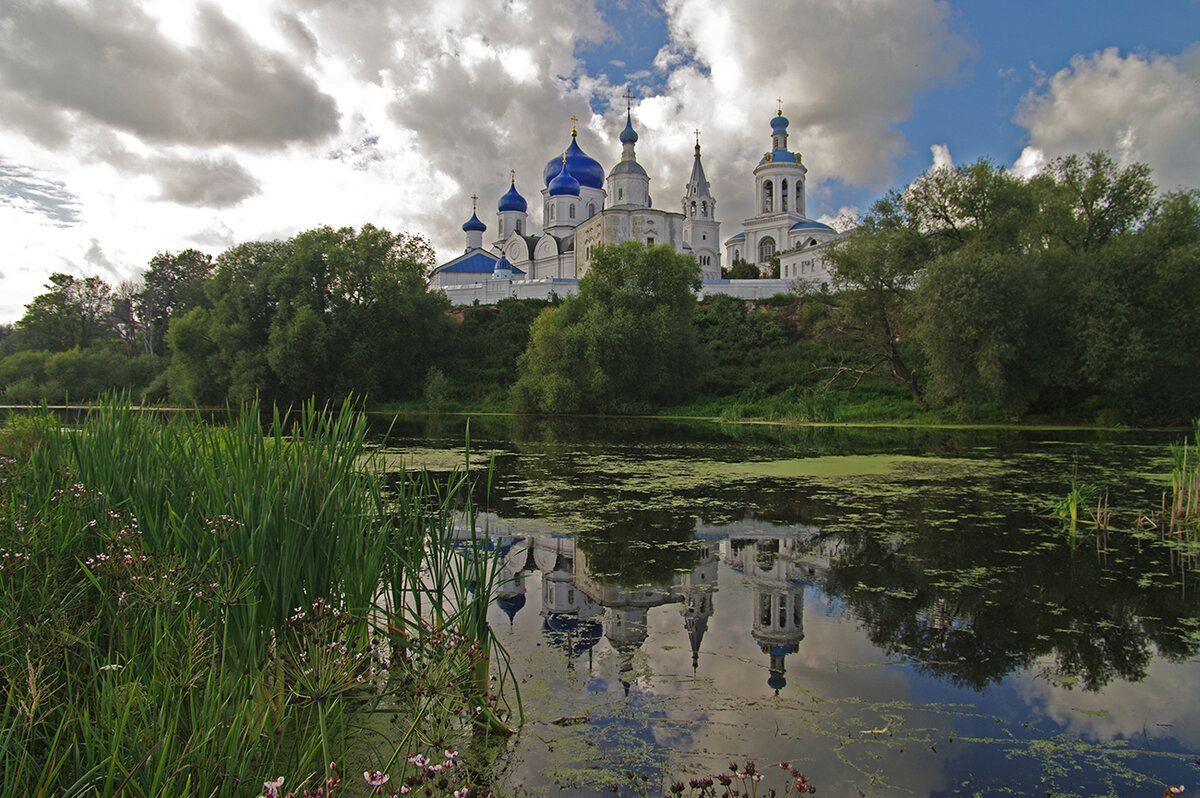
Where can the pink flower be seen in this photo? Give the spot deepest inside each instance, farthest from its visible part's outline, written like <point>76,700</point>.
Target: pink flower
<point>271,788</point>
<point>375,778</point>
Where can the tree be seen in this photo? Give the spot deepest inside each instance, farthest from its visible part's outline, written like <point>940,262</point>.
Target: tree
<point>874,270</point>
<point>626,341</point>
<point>72,313</point>
<point>327,313</point>
<point>173,285</point>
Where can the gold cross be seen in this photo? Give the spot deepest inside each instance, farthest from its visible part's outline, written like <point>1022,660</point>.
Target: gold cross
<point>780,101</point>
<point>697,139</point>
<point>628,99</point>
<point>574,119</point>
<point>474,199</point>
<point>512,175</point>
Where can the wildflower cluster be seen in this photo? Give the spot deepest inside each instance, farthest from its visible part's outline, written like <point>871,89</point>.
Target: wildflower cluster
<point>434,777</point>
<point>316,658</point>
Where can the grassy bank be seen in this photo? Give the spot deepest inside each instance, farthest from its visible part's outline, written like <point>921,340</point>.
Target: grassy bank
<point>188,609</point>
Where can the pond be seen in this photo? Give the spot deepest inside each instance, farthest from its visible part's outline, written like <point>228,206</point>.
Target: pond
<point>889,610</point>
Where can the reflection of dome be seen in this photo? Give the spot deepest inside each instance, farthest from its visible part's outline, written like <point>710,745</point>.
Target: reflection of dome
<point>510,605</point>
<point>582,167</point>
<point>571,634</point>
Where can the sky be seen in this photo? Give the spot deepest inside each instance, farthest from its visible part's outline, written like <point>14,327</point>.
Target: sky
<point>132,127</point>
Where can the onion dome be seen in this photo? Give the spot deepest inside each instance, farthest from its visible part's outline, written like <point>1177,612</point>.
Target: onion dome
<point>473,225</point>
<point>564,183</point>
<point>779,123</point>
<point>502,265</point>
<point>513,201</point>
<point>629,135</point>
<point>585,170</point>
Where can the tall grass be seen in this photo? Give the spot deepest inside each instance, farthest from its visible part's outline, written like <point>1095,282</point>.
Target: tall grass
<point>188,609</point>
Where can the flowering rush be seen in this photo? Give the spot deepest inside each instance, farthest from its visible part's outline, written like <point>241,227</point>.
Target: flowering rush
<point>271,788</point>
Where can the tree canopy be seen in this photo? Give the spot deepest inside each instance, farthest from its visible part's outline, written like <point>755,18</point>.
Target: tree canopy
<point>625,341</point>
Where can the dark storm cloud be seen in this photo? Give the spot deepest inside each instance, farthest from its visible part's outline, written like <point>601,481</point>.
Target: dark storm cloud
<point>109,62</point>
<point>204,182</point>
<point>29,191</point>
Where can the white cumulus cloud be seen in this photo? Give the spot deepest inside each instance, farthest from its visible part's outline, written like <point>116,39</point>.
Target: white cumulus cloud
<point>1137,107</point>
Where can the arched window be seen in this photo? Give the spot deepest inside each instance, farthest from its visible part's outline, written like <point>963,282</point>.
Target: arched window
<point>768,201</point>
<point>766,248</point>
<point>799,197</point>
<point>518,226</point>
<point>551,211</point>
<point>783,196</point>
<point>591,210</point>
<point>571,211</point>
<point>737,254</point>
<point>693,207</point>
<point>620,193</point>
<point>704,208</point>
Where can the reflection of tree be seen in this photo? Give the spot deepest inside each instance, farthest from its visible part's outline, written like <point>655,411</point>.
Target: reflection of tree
<point>648,549</point>
<point>973,604</point>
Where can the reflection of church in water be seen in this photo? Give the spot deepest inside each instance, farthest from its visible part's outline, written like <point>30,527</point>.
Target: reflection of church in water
<point>579,610</point>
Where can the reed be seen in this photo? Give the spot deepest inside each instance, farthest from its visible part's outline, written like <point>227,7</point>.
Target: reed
<point>188,609</point>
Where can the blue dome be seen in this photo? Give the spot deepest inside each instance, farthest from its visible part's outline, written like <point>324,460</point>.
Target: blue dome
<point>585,170</point>
<point>474,225</point>
<point>502,265</point>
<point>512,201</point>
<point>564,184</point>
<point>810,224</point>
<point>628,135</point>
<point>779,123</point>
<point>511,604</point>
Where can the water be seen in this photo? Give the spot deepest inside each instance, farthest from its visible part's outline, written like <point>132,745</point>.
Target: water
<point>891,611</point>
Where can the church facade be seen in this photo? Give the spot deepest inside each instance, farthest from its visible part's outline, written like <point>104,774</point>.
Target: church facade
<point>582,208</point>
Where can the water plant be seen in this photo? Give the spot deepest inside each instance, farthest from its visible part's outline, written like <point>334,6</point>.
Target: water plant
<point>188,608</point>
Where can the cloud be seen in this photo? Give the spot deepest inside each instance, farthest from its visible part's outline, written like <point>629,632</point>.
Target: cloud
<point>205,182</point>
<point>95,257</point>
<point>109,63</point>
<point>941,157</point>
<point>35,193</point>
<point>1137,107</point>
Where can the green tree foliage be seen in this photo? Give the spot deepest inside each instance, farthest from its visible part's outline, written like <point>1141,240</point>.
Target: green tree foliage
<point>980,289</point>
<point>626,341</point>
<point>327,313</point>
<point>74,312</point>
<point>875,270</point>
<point>173,285</point>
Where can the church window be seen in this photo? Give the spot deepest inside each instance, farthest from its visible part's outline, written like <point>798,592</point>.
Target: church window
<point>693,207</point>
<point>650,241</point>
<point>799,198</point>
<point>768,200</point>
<point>737,254</point>
<point>518,226</point>
<point>766,248</point>
<point>783,196</point>
<point>620,193</point>
<point>551,211</point>
<point>704,207</point>
<point>571,212</point>
<point>591,210</point>
<point>797,615</point>
<point>764,602</point>
<point>782,611</point>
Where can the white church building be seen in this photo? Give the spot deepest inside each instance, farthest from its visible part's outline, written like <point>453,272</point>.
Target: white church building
<point>582,209</point>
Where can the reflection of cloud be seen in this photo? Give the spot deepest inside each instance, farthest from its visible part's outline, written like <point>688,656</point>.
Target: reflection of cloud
<point>1162,704</point>
<point>33,192</point>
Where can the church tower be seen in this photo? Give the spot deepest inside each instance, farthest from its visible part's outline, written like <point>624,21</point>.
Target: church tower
<point>628,183</point>
<point>701,230</point>
<point>512,212</point>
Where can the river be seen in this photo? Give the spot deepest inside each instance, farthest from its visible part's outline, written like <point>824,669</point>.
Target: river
<point>892,611</point>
